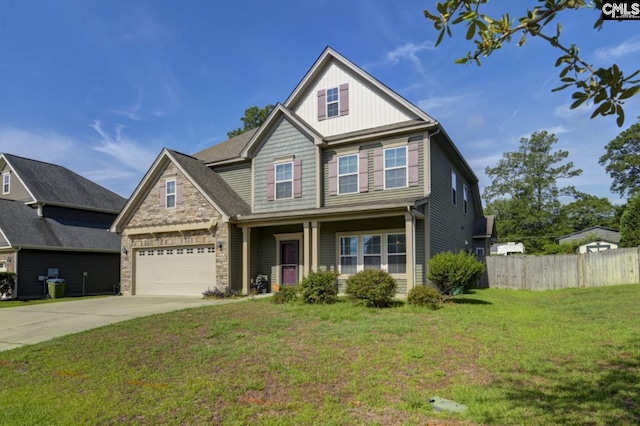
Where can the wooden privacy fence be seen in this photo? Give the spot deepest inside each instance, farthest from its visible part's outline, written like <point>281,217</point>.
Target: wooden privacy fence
<point>611,267</point>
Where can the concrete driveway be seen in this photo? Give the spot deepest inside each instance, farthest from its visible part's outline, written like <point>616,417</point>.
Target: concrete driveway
<point>25,325</point>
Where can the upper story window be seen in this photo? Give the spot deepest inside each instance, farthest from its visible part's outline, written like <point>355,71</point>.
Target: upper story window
<point>284,180</point>
<point>6,183</point>
<point>454,188</point>
<point>465,199</point>
<point>348,174</point>
<point>395,167</point>
<point>170,194</point>
<point>333,102</point>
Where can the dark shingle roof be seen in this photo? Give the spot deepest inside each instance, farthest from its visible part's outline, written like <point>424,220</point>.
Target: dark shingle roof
<point>483,226</point>
<point>53,184</point>
<point>226,150</point>
<point>212,184</point>
<point>24,228</point>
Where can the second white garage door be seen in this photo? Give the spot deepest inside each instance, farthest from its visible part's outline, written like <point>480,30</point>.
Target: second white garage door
<point>180,271</point>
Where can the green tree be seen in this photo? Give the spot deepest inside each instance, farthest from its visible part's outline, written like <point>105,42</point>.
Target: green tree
<point>607,88</point>
<point>588,211</point>
<point>524,194</point>
<point>253,117</point>
<point>622,161</point>
<point>630,223</point>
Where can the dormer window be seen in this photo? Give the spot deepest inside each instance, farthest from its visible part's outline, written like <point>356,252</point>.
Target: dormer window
<point>333,102</point>
<point>6,183</point>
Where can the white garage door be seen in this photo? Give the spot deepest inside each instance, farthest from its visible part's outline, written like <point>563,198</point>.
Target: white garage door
<point>181,271</point>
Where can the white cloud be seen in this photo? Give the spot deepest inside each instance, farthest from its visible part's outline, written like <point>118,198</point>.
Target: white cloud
<point>556,130</point>
<point>407,52</point>
<point>44,146</point>
<point>628,48</point>
<point>565,111</point>
<point>123,149</point>
<point>446,106</point>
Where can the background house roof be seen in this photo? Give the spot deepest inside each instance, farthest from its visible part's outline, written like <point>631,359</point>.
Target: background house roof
<point>597,232</point>
<point>227,150</point>
<point>24,228</point>
<point>211,184</point>
<point>57,185</point>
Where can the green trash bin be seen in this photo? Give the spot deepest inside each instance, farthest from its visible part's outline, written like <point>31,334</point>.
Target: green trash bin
<point>56,288</point>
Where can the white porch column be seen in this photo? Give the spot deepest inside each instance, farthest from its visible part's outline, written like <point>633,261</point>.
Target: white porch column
<point>246,259</point>
<point>306,248</point>
<point>315,245</point>
<point>411,255</point>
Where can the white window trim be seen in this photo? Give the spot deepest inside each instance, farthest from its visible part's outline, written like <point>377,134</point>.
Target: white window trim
<point>337,88</point>
<point>167,194</point>
<point>276,181</point>
<point>3,266</point>
<point>480,251</point>
<point>405,167</point>
<point>454,188</point>
<point>360,256</point>
<point>357,173</point>
<point>7,176</point>
<point>465,199</point>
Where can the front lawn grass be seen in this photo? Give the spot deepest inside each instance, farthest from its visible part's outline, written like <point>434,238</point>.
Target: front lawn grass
<point>513,357</point>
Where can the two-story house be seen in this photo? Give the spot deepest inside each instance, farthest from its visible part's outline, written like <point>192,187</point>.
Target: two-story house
<point>54,222</point>
<point>345,175</point>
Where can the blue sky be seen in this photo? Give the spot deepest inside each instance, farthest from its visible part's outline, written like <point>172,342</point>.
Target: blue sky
<point>102,86</point>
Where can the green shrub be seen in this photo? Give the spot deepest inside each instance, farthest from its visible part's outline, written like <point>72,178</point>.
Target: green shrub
<point>220,293</point>
<point>287,294</point>
<point>371,287</point>
<point>453,272</point>
<point>7,284</point>
<point>319,288</point>
<point>424,295</point>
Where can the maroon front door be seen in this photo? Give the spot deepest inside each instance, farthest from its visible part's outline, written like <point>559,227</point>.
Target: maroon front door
<point>289,262</point>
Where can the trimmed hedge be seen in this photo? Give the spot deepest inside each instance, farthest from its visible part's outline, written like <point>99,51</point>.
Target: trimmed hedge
<point>372,288</point>
<point>451,273</point>
<point>319,288</point>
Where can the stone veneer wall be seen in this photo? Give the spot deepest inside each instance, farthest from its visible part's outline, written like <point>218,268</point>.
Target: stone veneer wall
<point>11,266</point>
<point>194,208</point>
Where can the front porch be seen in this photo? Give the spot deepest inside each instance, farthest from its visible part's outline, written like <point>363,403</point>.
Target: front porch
<point>285,249</point>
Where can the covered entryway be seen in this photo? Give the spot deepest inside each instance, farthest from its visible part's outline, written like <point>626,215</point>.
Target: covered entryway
<point>176,271</point>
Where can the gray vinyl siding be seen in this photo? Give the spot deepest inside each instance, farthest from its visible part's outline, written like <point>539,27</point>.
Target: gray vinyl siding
<point>103,272</point>
<point>235,258</point>
<point>328,244</point>
<point>238,177</point>
<point>285,140</point>
<point>263,250</point>
<point>372,195</point>
<point>17,191</point>
<point>450,227</point>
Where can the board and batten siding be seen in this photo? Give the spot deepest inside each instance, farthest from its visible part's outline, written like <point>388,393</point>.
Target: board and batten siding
<point>372,195</point>
<point>285,140</point>
<point>103,272</point>
<point>368,106</point>
<point>238,177</point>
<point>450,228</point>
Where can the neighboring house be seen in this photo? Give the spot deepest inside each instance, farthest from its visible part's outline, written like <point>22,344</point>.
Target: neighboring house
<point>484,232</point>
<point>55,222</point>
<point>506,249</point>
<point>345,175</point>
<point>597,238</point>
